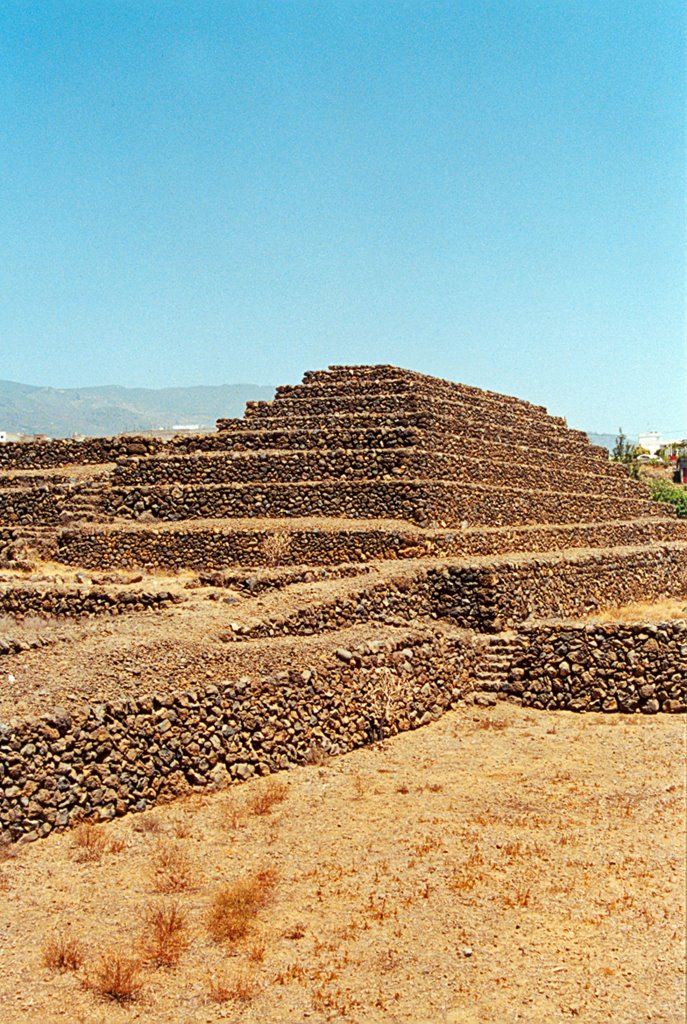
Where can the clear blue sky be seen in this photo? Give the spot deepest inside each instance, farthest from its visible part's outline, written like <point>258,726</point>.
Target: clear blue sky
<point>223,192</point>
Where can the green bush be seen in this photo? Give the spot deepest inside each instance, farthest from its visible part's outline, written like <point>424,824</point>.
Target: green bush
<point>625,453</point>
<point>661,490</point>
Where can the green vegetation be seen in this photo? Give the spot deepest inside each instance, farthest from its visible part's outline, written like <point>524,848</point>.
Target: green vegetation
<point>661,490</point>
<point>626,453</point>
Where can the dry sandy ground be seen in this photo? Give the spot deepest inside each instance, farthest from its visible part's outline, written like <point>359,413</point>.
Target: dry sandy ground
<point>500,865</point>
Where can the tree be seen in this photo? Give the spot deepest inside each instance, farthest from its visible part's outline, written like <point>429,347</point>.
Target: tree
<point>626,453</point>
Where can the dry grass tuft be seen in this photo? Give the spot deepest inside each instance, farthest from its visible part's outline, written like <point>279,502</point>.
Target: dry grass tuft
<point>182,829</point>
<point>233,815</point>
<point>241,989</point>
<point>7,850</point>
<point>644,611</point>
<point>496,724</point>
<point>164,935</point>
<point>218,990</point>
<point>276,546</point>
<point>317,756</point>
<point>520,897</point>
<point>359,787</point>
<point>62,953</point>
<point>147,824</point>
<point>256,953</point>
<point>273,792</point>
<point>115,977</point>
<point>172,869</point>
<point>234,908</point>
<point>90,843</point>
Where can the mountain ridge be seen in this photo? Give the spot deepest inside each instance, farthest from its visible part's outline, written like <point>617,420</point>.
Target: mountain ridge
<point>112,408</point>
<point>105,409</point>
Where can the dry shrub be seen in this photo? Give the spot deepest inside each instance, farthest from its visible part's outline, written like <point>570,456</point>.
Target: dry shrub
<point>115,977</point>
<point>387,696</point>
<point>273,792</point>
<point>90,843</point>
<point>276,546</point>
<point>234,908</point>
<point>62,953</point>
<point>147,823</point>
<point>316,755</point>
<point>241,989</point>
<point>172,869</point>
<point>256,953</point>
<point>164,936</point>
<point>7,850</point>
<point>233,814</point>
<point>496,724</point>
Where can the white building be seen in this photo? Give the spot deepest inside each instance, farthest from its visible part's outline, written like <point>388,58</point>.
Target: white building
<point>651,440</point>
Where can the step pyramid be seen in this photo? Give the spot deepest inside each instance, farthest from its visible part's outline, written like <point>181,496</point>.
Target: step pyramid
<point>371,527</point>
<point>370,442</point>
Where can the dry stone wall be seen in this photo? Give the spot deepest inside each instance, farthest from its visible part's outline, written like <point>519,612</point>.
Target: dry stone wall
<point>421,502</point>
<point>485,432</point>
<point>414,501</point>
<point>497,597</point>
<point>65,452</point>
<point>78,603</point>
<point>27,507</point>
<point>217,548</point>
<point>114,758</point>
<point>323,461</point>
<point>502,596</point>
<point>613,667</point>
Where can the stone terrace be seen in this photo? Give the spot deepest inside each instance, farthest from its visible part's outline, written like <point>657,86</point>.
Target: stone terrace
<point>347,560</point>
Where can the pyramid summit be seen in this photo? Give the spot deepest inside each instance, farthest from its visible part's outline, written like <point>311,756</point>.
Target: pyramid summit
<point>435,451</point>
<point>395,542</point>
<point>358,443</point>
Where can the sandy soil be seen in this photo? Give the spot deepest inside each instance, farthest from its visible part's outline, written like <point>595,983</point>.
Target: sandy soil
<point>500,865</point>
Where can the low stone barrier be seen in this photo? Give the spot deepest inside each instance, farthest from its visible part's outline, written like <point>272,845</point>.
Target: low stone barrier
<point>611,667</point>
<point>113,758</point>
<point>208,548</point>
<point>497,597</point>
<point>326,462</point>
<point>425,503</point>
<point>65,451</point>
<point>504,595</point>
<point>277,579</point>
<point>217,548</point>
<point>18,601</point>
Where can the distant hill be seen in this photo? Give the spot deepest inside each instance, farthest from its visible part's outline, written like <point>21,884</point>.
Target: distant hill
<point>97,412</point>
<point>603,440</point>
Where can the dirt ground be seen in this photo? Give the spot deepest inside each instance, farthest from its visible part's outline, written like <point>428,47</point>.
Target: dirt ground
<point>499,865</point>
